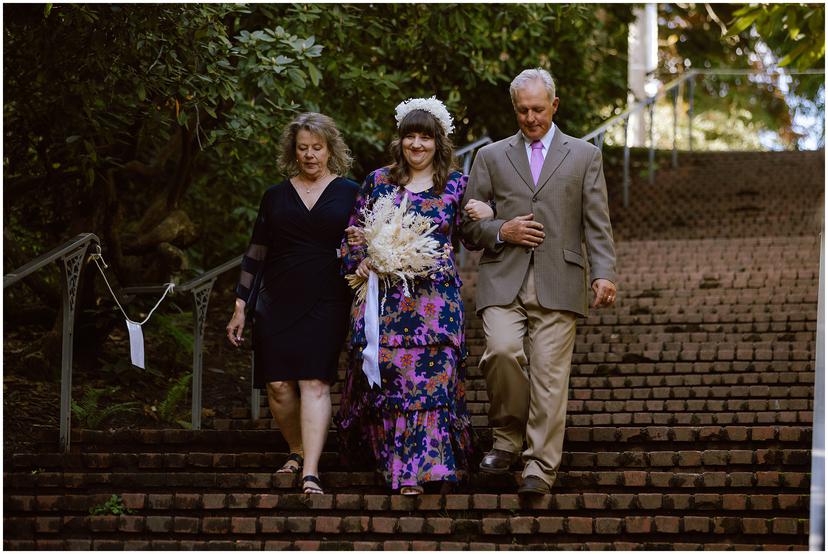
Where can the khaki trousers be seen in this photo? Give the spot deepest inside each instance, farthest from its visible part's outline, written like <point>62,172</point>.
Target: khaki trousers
<point>530,405</point>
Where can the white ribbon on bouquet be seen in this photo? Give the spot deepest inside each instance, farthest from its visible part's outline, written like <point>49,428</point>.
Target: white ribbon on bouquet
<point>370,354</point>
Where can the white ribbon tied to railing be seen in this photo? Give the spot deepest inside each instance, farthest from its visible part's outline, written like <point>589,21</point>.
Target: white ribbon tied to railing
<point>370,354</point>
<point>136,334</point>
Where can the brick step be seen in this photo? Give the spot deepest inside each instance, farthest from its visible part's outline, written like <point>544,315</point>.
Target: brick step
<point>727,297</point>
<point>656,269</point>
<point>782,390</point>
<point>655,351</point>
<point>481,503</point>
<point>746,323</point>
<point>320,518</point>
<point>730,369</point>
<point>779,391</point>
<point>669,543</point>
<point>698,460</point>
<point>354,481</point>
<point>720,284</point>
<point>742,393</point>
<point>322,532</point>
<point>594,413</point>
<point>726,310</point>
<point>651,437</point>
<point>668,363</point>
<point>697,332</point>
<point>713,334</point>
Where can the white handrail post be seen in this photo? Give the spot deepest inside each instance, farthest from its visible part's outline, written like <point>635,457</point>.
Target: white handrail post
<point>626,163</point>
<point>691,88</point>
<point>817,521</point>
<point>201,297</point>
<point>674,94</point>
<point>651,109</point>
<point>255,394</point>
<point>72,267</point>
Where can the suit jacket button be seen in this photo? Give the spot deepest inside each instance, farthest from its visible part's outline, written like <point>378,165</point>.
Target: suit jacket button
<point>534,199</point>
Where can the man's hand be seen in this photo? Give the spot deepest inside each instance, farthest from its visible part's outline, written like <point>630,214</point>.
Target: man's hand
<point>522,231</point>
<point>604,293</point>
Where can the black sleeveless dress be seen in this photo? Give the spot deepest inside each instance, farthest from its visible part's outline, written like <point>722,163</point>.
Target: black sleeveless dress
<point>301,307</point>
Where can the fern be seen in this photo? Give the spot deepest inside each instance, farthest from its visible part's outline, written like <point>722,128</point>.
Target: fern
<point>169,409</point>
<point>173,326</point>
<point>113,506</point>
<point>89,413</point>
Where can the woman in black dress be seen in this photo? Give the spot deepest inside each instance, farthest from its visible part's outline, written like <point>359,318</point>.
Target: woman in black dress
<point>301,303</point>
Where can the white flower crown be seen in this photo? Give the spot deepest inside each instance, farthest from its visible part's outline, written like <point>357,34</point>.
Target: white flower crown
<point>430,105</point>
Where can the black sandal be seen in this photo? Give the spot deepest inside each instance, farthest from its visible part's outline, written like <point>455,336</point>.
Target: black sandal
<point>308,489</point>
<point>411,490</point>
<point>287,467</point>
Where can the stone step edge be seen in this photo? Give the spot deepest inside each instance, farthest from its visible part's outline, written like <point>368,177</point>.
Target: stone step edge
<point>246,480</point>
<point>691,433</point>
<point>378,545</point>
<point>154,502</point>
<point>380,525</point>
<point>253,459</point>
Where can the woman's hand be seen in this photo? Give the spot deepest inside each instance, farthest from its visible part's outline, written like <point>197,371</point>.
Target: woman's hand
<point>478,210</point>
<point>356,235</point>
<point>364,268</point>
<point>236,325</point>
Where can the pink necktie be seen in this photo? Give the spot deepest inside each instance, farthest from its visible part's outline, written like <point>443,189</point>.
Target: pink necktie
<point>536,161</point>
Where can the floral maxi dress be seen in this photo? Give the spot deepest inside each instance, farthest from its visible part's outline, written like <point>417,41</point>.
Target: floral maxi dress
<point>416,423</point>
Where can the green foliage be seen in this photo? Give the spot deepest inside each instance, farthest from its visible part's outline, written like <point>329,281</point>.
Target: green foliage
<point>375,55</point>
<point>89,413</point>
<point>118,117</point>
<point>170,409</point>
<point>175,331</point>
<point>114,506</point>
<point>697,36</point>
<point>795,32</point>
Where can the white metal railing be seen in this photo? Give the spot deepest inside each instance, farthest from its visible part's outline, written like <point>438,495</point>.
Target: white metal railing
<point>673,88</point>
<point>817,523</point>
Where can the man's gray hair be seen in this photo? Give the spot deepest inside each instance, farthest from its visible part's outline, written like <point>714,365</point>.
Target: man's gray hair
<point>533,75</point>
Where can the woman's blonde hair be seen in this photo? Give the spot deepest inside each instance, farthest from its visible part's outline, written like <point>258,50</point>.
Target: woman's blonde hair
<point>340,160</point>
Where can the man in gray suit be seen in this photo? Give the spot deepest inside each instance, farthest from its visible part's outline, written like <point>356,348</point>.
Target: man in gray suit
<point>551,217</point>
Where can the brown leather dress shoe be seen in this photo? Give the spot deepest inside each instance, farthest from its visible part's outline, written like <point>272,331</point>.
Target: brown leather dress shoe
<point>497,461</point>
<point>534,485</point>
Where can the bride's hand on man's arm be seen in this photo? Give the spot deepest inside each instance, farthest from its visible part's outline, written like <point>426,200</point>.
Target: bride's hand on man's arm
<point>478,210</point>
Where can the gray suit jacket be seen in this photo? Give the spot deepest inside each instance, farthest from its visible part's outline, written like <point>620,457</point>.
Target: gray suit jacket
<point>570,201</point>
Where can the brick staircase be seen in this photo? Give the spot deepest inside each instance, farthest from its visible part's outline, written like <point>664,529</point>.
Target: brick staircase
<point>689,421</point>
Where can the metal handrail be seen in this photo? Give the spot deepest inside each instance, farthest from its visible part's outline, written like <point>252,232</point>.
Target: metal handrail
<point>200,287</point>
<point>467,152</point>
<point>673,88</point>
<point>47,258</point>
<point>189,285</point>
<point>638,106</point>
<point>72,254</point>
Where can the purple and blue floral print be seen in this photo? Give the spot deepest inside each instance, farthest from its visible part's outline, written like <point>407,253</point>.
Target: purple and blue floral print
<point>417,422</point>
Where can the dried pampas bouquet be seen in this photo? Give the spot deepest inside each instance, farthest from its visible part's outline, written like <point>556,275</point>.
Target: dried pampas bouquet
<point>399,245</point>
